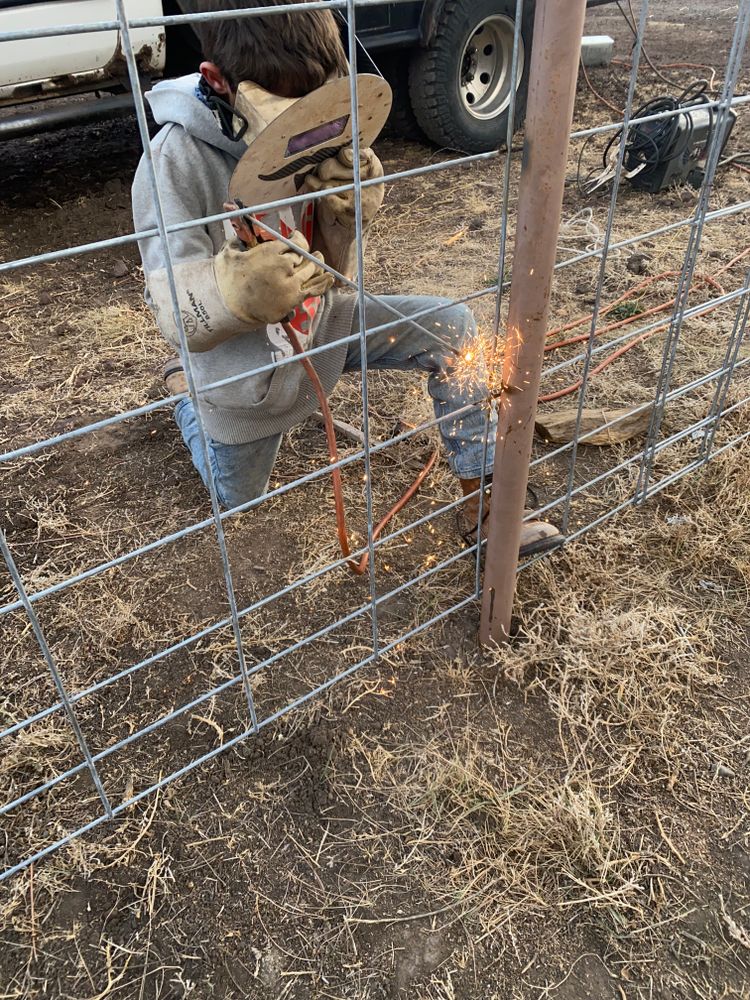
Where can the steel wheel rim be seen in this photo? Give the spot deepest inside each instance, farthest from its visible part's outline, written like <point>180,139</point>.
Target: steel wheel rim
<point>485,68</point>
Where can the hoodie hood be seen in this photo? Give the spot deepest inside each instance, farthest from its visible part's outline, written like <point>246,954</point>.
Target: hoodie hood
<point>178,101</point>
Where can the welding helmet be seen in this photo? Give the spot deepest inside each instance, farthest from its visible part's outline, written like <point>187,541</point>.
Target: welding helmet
<point>288,137</point>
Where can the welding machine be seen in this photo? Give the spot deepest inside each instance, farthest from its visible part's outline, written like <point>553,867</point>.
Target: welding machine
<point>673,150</point>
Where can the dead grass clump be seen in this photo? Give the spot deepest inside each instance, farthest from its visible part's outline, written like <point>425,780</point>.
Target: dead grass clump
<point>36,755</point>
<point>95,360</point>
<point>617,680</point>
<point>497,835</point>
<point>627,638</point>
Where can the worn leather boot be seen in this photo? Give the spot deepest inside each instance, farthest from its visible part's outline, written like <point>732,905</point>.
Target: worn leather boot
<point>536,536</point>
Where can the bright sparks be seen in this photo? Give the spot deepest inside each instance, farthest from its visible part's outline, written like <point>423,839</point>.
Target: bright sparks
<point>479,367</point>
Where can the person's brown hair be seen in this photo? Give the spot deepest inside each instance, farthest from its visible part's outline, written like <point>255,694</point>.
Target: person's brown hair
<point>288,54</point>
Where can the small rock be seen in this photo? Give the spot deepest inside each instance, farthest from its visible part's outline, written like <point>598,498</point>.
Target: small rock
<point>475,225</point>
<point>319,736</point>
<point>637,263</point>
<point>119,269</point>
<point>721,770</point>
<point>44,298</point>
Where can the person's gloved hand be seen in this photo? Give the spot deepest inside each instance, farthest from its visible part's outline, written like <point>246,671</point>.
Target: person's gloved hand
<point>338,170</point>
<point>266,283</point>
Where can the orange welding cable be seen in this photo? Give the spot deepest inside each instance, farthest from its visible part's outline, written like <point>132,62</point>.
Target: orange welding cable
<point>682,65</point>
<point>595,92</point>
<point>611,327</point>
<point>646,283</point>
<point>706,278</point>
<point>733,261</point>
<point>689,65</point>
<point>360,568</point>
<point>575,386</point>
<point>608,329</point>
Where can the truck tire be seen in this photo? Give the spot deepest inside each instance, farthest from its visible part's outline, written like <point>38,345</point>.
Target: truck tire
<point>461,85</point>
<point>402,121</point>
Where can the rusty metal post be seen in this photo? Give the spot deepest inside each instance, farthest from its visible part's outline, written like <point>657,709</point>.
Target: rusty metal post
<point>553,75</point>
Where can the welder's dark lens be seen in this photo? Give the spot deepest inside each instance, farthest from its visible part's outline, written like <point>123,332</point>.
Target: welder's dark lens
<point>315,136</point>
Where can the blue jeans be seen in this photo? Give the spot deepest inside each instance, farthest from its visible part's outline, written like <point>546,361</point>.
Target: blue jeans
<point>242,471</point>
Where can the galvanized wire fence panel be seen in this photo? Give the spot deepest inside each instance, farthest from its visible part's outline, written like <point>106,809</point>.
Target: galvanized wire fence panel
<point>580,493</point>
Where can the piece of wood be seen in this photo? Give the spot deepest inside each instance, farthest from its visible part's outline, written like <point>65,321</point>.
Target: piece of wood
<point>347,430</point>
<point>560,427</point>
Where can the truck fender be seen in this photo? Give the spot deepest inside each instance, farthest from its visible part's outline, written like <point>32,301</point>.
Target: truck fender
<point>428,21</point>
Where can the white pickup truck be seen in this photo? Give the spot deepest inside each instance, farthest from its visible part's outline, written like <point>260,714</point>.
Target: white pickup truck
<point>92,63</point>
<point>66,63</point>
<point>448,62</point>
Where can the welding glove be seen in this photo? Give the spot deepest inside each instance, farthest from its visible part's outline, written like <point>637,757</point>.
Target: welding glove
<point>266,283</point>
<point>336,214</point>
<point>221,297</point>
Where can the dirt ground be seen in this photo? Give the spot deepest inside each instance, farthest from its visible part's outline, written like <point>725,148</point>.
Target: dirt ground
<point>565,818</point>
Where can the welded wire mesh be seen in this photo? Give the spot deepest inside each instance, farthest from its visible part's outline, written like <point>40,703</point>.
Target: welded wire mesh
<point>583,493</point>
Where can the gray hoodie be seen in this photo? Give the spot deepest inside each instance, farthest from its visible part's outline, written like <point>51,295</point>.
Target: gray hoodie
<point>194,162</point>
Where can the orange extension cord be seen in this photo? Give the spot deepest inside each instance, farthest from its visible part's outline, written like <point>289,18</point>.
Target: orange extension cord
<point>709,280</point>
<point>358,567</point>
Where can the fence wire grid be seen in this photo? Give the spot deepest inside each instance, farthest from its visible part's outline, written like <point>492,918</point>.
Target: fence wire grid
<point>687,421</point>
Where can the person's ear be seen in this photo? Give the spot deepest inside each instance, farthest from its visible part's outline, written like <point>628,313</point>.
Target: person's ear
<point>216,80</point>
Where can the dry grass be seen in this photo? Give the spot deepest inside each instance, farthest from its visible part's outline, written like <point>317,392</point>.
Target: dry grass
<point>457,814</point>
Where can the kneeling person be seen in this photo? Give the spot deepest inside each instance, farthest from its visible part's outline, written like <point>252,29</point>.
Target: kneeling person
<point>233,301</point>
